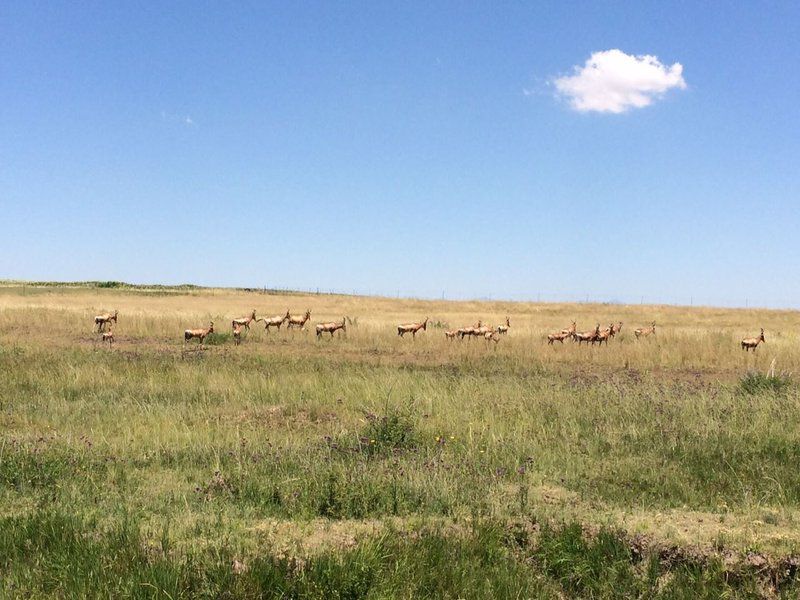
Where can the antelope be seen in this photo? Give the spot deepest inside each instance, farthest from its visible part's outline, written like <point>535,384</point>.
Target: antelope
<point>298,321</point>
<point>244,321</point>
<point>483,329</point>
<point>478,330</point>
<point>615,329</point>
<point>587,336</point>
<point>101,321</point>
<point>331,327</point>
<point>753,342</point>
<point>469,330</point>
<point>108,336</point>
<point>645,331</point>
<point>572,329</point>
<point>558,336</point>
<point>491,336</point>
<point>602,336</point>
<point>275,321</point>
<point>451,335</point>
<point>237,333</point>
<point>503,329</point>
<point>198,333</point>
<point>412,328</point>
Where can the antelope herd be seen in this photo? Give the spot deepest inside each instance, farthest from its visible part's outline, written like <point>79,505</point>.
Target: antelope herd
<point>100,322</point>
<point>480,329</point>
<point>593,336</point>
<point>487,332</point>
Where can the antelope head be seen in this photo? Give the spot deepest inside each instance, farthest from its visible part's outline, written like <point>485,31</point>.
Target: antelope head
<point>425,324</point>
<point>761,337</point>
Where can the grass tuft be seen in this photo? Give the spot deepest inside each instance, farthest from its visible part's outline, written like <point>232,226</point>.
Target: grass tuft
<point>755,382</point>
<point>390,433</point>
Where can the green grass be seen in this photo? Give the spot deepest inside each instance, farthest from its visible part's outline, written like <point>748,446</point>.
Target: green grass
<point>755,382</point>
<point>49,554</point>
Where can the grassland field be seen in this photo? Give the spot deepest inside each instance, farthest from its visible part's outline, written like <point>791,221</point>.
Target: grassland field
<point>367,465</point>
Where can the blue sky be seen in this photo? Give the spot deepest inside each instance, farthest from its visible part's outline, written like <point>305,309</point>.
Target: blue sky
<point>421,149</point>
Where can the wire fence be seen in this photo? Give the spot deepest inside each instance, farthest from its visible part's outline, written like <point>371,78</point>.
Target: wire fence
<point>615,298</point>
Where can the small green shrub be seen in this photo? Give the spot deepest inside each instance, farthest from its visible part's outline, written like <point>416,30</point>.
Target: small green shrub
<point>218,339</point>
<point>391,432</point>
<point>756,383</point>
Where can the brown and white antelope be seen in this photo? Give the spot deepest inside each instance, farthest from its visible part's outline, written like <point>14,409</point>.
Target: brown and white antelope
<point>483,329</point>
<point>299,321</point>
<point>602,336</point>
<point>275,321</point>
<point>100,321</point>
<point>412,328</point>
<point>477,330</point>
<point>108,336</point>
<point>587,336</point>
<point>753,342</point>
<point>244,321</point>
<point>558,336</point>
<point>645,331</point>
<point>491,336</point>
<point>237,333</point>
<point>615,329</point>
<point>468,331</point>
<point>331,327</point>
<point>503,329</point>
<point>198,333</point>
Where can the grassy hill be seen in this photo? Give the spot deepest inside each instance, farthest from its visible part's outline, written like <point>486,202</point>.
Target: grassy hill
<point>370,465</point>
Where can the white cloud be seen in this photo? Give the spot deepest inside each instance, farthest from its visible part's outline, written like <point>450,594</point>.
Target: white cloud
<point>612,81</point>
<point>188,121</point>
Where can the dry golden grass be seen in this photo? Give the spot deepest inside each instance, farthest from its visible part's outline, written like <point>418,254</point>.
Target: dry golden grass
<point>688,339</point>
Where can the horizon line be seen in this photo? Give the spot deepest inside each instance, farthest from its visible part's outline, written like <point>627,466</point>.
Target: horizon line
<point>277,290</point>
